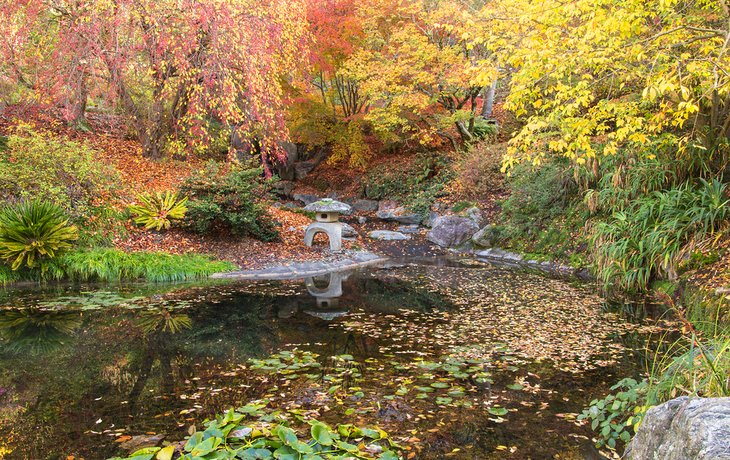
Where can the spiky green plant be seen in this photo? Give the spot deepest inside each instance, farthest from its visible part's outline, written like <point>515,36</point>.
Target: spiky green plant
<point>158,209</point>
<point>32,231</point>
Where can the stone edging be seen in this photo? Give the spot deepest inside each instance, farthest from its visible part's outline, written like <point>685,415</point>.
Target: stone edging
<point>498,256</point>
<point>304,269</point>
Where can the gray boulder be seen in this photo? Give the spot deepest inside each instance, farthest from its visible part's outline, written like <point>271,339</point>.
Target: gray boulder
<point>387,235</point>
<point>283,188</point>
<point>304,198</point>
<point>452,231</point>
<point>485,238</point>
<point>303,168</point>
<point>684,428</point>
<point>348,231</point>
<point>408,229</point>
<point>430,219</point>
<point>365,205</point>
<point>391,211</point>
<point>475,214</point>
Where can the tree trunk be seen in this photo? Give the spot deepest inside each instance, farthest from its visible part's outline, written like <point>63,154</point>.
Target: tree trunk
<point>488,104</point>
<point>77,110</point>
<point>466,136</point>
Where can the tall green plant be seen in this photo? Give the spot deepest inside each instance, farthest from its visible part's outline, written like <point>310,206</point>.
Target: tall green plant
<point>32,231</point>
<point>648,238</point>
<point>158,210</point>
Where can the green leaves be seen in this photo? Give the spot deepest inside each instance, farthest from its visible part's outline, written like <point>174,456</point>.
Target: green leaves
<point>223,438</point>
<point>321,434</point>
<point>618,414</point>
<point>156,211</point>
<point>34,231</point>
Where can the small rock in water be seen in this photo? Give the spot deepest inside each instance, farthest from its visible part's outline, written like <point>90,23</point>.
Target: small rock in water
<point>142,440</point>
<point>387,235</point>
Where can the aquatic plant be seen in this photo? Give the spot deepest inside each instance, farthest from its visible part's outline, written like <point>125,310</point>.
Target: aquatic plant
<point>650,237</point>
<point>156,211</point>
<point>230,436</point>
<point>32,231</point>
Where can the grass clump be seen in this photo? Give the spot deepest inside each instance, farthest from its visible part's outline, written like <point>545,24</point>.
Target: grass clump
<point>653,234</point>
<point>111,265</point>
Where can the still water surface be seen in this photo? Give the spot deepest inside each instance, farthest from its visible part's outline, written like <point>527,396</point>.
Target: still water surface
<point>85,368</point>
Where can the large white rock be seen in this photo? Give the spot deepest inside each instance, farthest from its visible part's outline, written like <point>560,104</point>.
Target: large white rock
<point>452,231</point>
<point>387,235</point>
<point>682,429</point>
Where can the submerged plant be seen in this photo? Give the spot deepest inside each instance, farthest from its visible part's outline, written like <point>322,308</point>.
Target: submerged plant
<point>32,231</point>
<point>156,211</point>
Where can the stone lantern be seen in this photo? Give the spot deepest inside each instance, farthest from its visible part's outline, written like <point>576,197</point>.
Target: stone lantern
<point>327,213</point>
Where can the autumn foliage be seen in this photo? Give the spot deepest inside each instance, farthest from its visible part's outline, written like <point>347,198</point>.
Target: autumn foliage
<point>182,72</point>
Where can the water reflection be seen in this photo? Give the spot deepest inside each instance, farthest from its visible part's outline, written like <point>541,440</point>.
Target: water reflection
<point>327,297</point>
<point>82,368</point>
<point>36,331</point>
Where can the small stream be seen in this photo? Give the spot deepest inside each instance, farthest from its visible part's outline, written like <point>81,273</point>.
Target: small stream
<point>454,360</point>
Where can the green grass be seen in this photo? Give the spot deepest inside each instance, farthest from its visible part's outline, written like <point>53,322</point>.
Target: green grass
<point>8,276</point>
<point>112,265</point>
<point>116,265</point>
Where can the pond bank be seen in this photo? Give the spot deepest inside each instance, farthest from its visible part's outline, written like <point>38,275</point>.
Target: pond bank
<point>347,261</point>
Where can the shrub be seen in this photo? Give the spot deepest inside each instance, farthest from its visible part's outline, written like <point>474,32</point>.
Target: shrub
<point>538,195</point>
<point>32,231</point>
<point>230,202</point>
<point>157,210</point>
<point>649,238</point>
<point>619,414</point>
<point>39,165</point>
<point>478,170</point>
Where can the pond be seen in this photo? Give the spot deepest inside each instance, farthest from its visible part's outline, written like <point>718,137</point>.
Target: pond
<point>456,360</point>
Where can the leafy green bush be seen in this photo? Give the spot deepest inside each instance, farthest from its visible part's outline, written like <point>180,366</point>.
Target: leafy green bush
<point>39,165</point>
<point>649,237</point>
<point>157,210</point>
<point>619,414</point>
<point>538,195</point>
<point>416,185</point>
<point>484,128</point>
<point>34,231</point>
<point>230,202</point>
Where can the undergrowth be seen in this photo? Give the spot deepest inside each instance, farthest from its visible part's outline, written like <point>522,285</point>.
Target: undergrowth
<point>417,185</point>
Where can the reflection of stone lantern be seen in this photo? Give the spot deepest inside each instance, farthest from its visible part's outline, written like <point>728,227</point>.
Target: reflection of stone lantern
<point>327,215</point>
<point>328,298</point>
